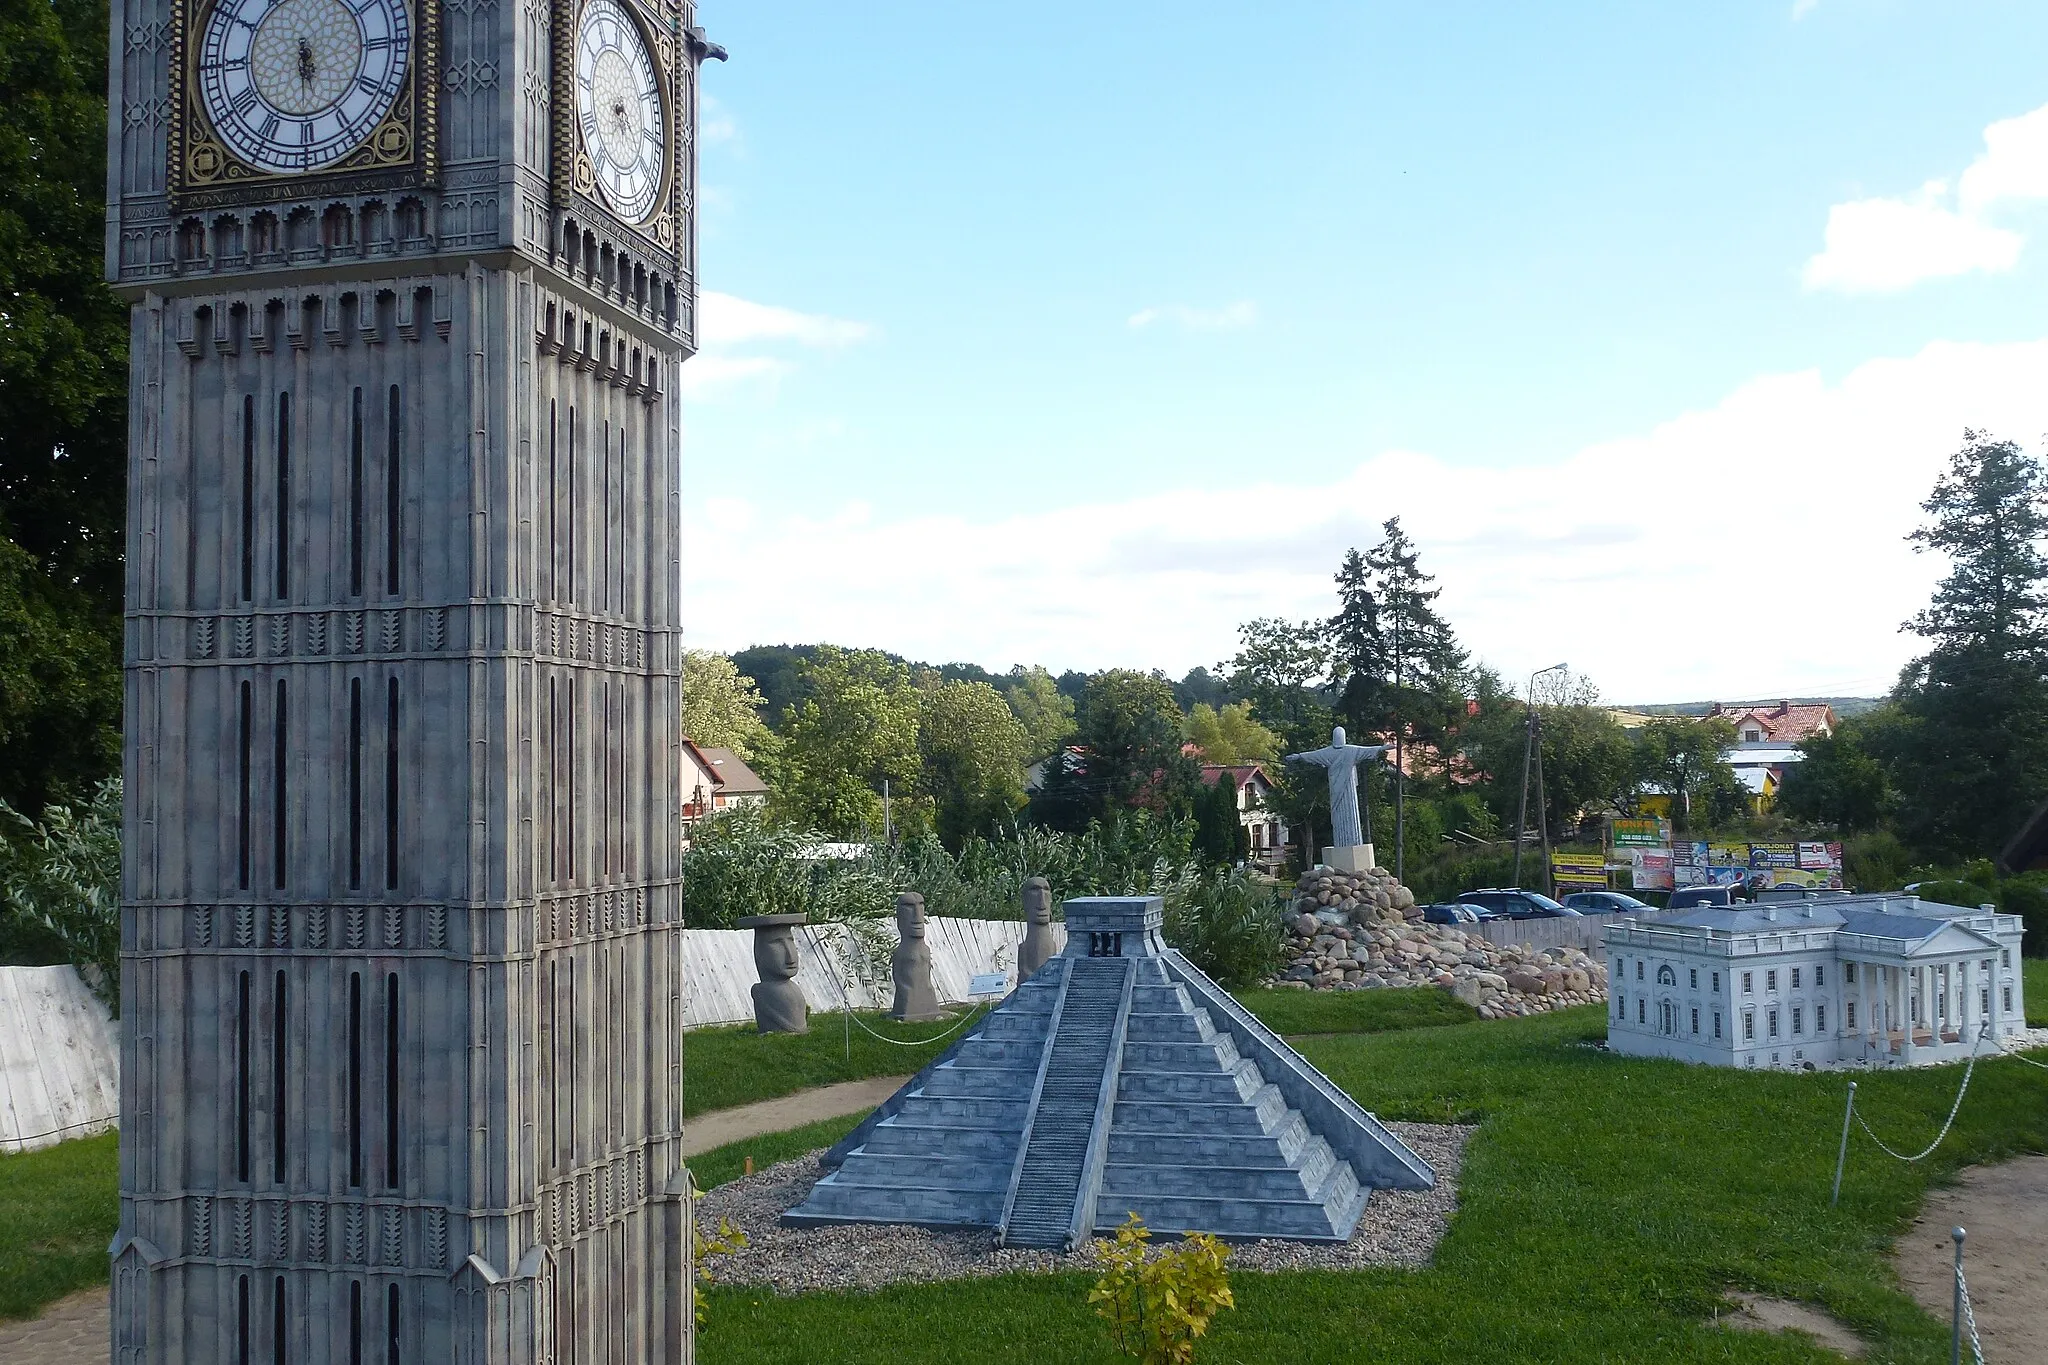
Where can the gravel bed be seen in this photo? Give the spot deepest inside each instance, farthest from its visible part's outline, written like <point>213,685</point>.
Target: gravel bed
<point>1397,1229</point>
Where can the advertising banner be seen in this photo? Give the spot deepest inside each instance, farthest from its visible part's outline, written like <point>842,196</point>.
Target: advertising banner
<point>1653,871</point>
<point>1649,833</point>
<point>1578,871</point>
<point>1815,856</point>
<point>1728,855</point>
<point>1763,857</point>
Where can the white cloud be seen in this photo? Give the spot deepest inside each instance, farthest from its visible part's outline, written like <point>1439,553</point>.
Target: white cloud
<point>1752,548</point>
<point>732,331</point>
<point>1880,245</point>
<point>1885,244</point>
<point>1243,313</point>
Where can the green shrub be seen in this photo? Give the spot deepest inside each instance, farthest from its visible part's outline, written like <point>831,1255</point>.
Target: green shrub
<point>1876,862</point>
<point>2027,897</point>
<point>60,881</point>
<point>1968,895</point>
<point>1158,1305</point>
<point>1229,926</point>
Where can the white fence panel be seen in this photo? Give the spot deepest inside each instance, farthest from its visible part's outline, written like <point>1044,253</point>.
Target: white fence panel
<point>60,1069</point>
<point>719,975</point>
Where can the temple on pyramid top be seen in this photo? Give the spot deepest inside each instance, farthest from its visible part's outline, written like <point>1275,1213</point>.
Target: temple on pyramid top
<point>1117,1079</point>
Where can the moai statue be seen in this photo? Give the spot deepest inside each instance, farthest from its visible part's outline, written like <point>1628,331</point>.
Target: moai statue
<point>911,964</point>
<point>1038,945</point>
<point>778,1004</point>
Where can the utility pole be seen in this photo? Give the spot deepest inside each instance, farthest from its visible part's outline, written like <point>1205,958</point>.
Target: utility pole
<point>888,829</point>
<point>1532,755</point>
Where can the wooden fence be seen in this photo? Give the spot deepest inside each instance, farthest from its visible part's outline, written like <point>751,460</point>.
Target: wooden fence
<point>60,1074</point>
<point>833,964</point>
<point>1585,933</point>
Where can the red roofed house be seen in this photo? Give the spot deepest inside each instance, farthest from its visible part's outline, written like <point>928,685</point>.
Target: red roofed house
<point>1263,826</point>
<point>1783,723</point>
<point>716,780</point>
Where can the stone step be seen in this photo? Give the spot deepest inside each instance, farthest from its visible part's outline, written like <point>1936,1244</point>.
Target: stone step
<point>1326,1215</point>
<point>1218,1052</point>
<point>1238,1083</point>
<point>1004,1051</point>
<point>942,1169</point>
<point>986,1081</point>
<point>1191,1027</point>
<point>1159,999</point>
<point>893,1136</point>
<point>1182,1148</point>
<point>964,1111</point>
<point>1232,1182</point>
<point>833,1200</point>
<point>1025,1026</point>
<point>1260,1114</point>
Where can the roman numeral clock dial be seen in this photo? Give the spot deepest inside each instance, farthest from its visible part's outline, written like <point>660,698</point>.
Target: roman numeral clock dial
<point>619,110</point>
<point>292,86</point>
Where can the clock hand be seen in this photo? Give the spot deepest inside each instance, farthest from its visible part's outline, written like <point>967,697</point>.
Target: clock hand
<point>306,68</point>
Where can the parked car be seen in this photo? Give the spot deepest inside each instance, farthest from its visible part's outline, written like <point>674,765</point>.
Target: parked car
<point>1450,912</point>
<point>1516,903</point>
<point>1797,893</point>
<point>1691,897</point>
<point>1604,903</point>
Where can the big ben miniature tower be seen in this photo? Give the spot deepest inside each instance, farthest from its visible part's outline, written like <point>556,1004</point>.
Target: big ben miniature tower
<point>410,282</point>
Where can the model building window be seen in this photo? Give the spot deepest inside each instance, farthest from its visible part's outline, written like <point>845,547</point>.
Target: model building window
<point>1748,983</point>
<point>1748,1026</point>
<point>1695,1023</point>
<point>1851,1007</point>
<point>1639,969</point>
<point>1798,1021</point>
<point>1717,983</point>
<point>1771,980</point>
<point>1773,1023</point>
<point>1717,1023</point>
<point>1820,976</point>
<point>1795,978</point>
<point>1849,972</point>
<point>1820,1018</point>
<point>1692,979</point>
<point>1642,1012</point>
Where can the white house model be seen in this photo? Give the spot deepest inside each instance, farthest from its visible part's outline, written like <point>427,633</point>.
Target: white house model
<point>1846,980</point>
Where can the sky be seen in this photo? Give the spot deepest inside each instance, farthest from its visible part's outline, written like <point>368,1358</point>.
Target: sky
<point>1079,339</point>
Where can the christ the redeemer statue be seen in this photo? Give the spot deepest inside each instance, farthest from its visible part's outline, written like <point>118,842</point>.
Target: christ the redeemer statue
<point>1342,761</point>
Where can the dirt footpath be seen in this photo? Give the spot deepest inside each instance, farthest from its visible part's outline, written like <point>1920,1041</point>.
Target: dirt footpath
<point>2004,1211</point>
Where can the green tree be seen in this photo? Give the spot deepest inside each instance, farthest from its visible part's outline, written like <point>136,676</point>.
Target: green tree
<point>855,729</point>
<point>972,748</point>
<point>1425,665</point>
<point>63,417</point>
<point>1046,713</point>
<point>60,689</point>
<point>1279,667</point>
<point>721,706</point>
<point>1231,736</point>
<point>1682,758</point>
<point>1837,783</point>
<point>1359,663</point>
<point>1220,836</point>
<point>1131,728</point>
<point>1589,761</point>
<point>1970,758</point>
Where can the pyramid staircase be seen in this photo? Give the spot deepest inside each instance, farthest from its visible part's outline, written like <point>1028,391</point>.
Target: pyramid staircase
<point>1118,1079</point>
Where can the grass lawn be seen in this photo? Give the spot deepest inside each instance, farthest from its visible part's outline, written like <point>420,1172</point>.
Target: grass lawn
<point>733,1065</point>
<point>57,1214</point>
<point>1606,1204</point>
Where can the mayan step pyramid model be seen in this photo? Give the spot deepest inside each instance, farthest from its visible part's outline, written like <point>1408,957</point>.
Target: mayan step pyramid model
<point>1118,1078</point>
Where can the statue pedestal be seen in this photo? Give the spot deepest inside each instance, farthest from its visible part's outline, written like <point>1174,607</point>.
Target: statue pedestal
<point>1352,858</point>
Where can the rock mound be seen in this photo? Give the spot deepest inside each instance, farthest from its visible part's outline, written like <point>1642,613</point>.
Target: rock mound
<point>1362,931</point>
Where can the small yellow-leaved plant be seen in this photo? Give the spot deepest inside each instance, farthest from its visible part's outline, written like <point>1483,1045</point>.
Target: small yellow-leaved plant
<point>1158,1305</point>
<point>728,1239</point>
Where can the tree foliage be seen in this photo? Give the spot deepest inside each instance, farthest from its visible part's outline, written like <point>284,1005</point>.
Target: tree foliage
<point>1969,755</point>
<point>1682,757</point>
<point>972,749</point>
<point>60,879</point>
<point>63,387</point>
<point>1045,712</point>
<point>1838,782</point>
<point>1231,736</point>
<point>1131,727</point>
<point>855,729</point>
<point>1279,668</point>
<point>721,706</point>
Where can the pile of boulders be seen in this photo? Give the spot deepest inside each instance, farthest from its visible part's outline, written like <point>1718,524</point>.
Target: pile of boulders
<point>1357,931</point>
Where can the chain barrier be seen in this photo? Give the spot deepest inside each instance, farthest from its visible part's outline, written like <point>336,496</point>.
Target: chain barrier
<point>1964,1089</point>
<point>847,1007</point>
<point>1969,1314</point>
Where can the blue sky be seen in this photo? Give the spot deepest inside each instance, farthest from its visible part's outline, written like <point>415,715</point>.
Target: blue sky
<point>1077,340</point>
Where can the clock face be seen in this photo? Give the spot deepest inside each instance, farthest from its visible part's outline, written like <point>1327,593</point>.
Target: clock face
<point>296,85</point>
<point>618,106</point>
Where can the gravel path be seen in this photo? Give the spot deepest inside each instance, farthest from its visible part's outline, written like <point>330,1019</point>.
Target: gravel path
<point>1397,1229</point>
<point>715,1128</point>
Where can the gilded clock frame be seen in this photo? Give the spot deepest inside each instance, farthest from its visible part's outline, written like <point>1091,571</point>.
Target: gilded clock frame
<point>402,151</point>
<point>573,183</point>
